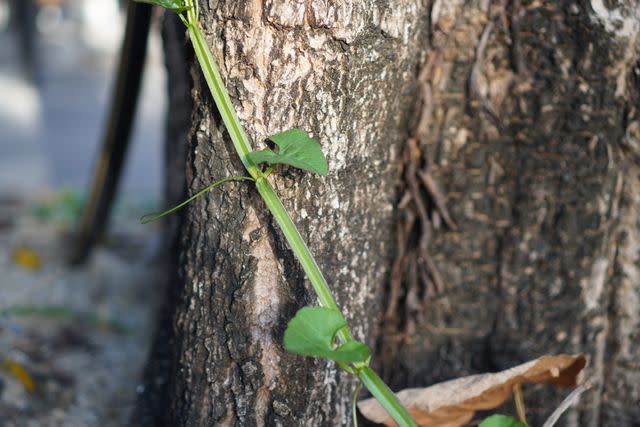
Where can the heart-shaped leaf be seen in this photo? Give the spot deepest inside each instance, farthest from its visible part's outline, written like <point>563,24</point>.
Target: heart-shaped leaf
<point>295,148</point>
<point>174,5</point>
<point>311,333</point>
<point>501,421</point>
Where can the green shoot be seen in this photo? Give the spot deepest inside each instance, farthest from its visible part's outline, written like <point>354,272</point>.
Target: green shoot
<point>354,405</point>
<point>156,216</point>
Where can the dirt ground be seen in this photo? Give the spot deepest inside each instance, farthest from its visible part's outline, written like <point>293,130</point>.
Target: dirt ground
<point>73,341</point>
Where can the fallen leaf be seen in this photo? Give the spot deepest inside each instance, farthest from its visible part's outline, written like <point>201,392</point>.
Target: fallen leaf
<point>65,313</point>
<point>18,371</point>
<point>27,258</point>
<point>453,403</point>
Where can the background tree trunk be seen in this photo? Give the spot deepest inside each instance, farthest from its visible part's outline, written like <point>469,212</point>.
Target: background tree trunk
<point>532,131</point>
<point>345,71</point>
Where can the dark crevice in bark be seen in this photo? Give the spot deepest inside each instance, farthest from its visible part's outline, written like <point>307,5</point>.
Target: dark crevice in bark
<point>414,279</point>
<point>158,374</point>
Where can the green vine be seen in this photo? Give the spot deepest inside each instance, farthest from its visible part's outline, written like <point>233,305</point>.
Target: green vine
<point>314,331</point>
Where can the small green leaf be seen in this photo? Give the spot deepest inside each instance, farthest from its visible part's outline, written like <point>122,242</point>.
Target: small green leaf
<point>174,5</point>
<point>295,148</point>
<point>501,421</point>
<point>311,333</point>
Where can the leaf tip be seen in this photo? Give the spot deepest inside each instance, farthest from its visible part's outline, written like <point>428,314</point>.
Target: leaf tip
<point>146,219</point>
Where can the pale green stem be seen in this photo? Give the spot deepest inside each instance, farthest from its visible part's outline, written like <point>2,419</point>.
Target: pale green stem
<point>385,397</point>
<point>155,216</point>
<point>221,96</point>
<point>354,404</point>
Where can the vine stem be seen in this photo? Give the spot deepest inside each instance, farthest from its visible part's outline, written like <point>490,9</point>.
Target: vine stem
<point>300,249</point>
<point>155,216</point>
<point>220,95</point>
<point>385,397</point>
<point>242,145</point>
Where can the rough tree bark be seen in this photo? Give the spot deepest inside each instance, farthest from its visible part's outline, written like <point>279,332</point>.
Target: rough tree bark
<point>529,124</point>
<point>346,72</point>
<point>531,128</point>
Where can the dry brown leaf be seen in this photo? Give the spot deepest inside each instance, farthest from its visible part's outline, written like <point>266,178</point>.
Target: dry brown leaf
<point>453,403</point>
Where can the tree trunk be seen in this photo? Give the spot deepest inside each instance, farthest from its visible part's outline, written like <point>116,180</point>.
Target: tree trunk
<point>346,72</point>
<point>528,122</point>
<point>531,128</point>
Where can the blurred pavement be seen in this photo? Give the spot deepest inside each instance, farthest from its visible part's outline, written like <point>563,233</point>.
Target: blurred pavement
<point>73,341</point>
<point>50,131</point>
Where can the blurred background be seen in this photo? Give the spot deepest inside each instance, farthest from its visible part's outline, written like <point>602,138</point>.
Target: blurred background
<point>58,59</point>
<point>72,340</point>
